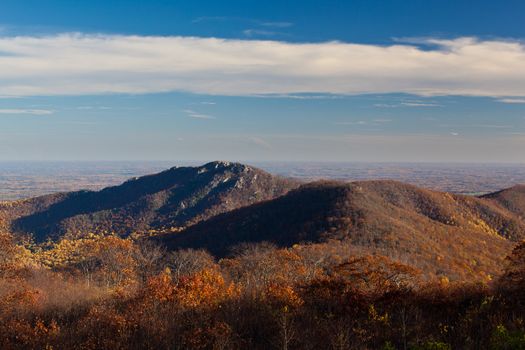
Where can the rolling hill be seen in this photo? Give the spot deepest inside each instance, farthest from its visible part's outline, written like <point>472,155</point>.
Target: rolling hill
<point>441,233</point>
<point>175,198</point>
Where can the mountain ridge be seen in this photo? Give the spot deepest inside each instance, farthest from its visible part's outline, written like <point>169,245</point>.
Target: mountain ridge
<point>175,197</point>
<point>446,233</point>
<point>219,205</point>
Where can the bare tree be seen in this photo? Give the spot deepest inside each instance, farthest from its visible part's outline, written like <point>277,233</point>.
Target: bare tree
<point>149,259</point>
<point>185,262</point>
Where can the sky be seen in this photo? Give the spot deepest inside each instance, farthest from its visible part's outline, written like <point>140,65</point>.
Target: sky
<point>361,80</point>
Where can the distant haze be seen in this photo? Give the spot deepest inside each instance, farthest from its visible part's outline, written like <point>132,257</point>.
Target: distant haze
<point>29,179</point>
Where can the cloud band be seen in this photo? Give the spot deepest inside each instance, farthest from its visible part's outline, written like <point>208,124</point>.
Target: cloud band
<point>77,64</point>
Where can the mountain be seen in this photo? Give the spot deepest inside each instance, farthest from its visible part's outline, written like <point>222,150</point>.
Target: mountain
<point>10,210</point>
<point>512,199</point>
<point>169,200</point>
<point>438,232</point>
<point>220,205</point>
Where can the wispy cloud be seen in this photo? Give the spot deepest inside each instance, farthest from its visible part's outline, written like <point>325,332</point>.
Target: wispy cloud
<point>26,111</point>
<point>407,104</point>
<point>256,22</point>
<point>387,105</point>
<point>193,114</point>
<point>259,32</point>
<point>373,122</point>
<point>76,64</point>
<point>210,18</point>
<point>276,24</point>
<point>419,104</point>
<point>86,108</point>
<point>476,126</point>
<point>358,122</point>
<point>303,96</point>
<point>511,100</point>
<point>260,142</point>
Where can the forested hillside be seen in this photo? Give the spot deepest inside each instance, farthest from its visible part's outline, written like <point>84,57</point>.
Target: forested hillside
<point>113,293</point>
<point>170,200</point>
<point>226,256</point>
<point>456,236</point>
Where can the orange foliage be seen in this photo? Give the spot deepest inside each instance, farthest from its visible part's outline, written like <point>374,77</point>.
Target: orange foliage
<point>377,273</point>
<point>283,296</point>
<point>263,297</point>
<point>205,288</point>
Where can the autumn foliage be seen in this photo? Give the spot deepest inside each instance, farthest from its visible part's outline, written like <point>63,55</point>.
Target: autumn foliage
<point>112,293</point>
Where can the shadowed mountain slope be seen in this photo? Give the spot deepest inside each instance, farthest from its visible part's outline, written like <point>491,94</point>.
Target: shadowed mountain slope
<point>438,232</point>
<point>512,199</point>
<point>171,199</point>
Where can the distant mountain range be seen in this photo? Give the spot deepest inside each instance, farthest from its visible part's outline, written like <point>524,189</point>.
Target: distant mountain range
<point>220,205</point>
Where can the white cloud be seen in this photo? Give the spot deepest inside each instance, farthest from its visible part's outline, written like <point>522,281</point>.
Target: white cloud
<point>359,122</point>
<point>86,108</point>
<point>252,21</point>
<point>210,18</point>
<point>276,24</point>
<point>76,64</point>
<point>477,126</point>
<point>374,122</point>
<point>26,111</point>
<point>258,32</point>
<point>511,100</point>
<point>192,114</point>
<point>260,142</point>
<point>302,96</point>
<point>407,104</point>
<point>419,104</point>
<point>386,105</point>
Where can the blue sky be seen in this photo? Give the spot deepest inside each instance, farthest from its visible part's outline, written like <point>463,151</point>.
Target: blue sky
<point>262,80</point>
